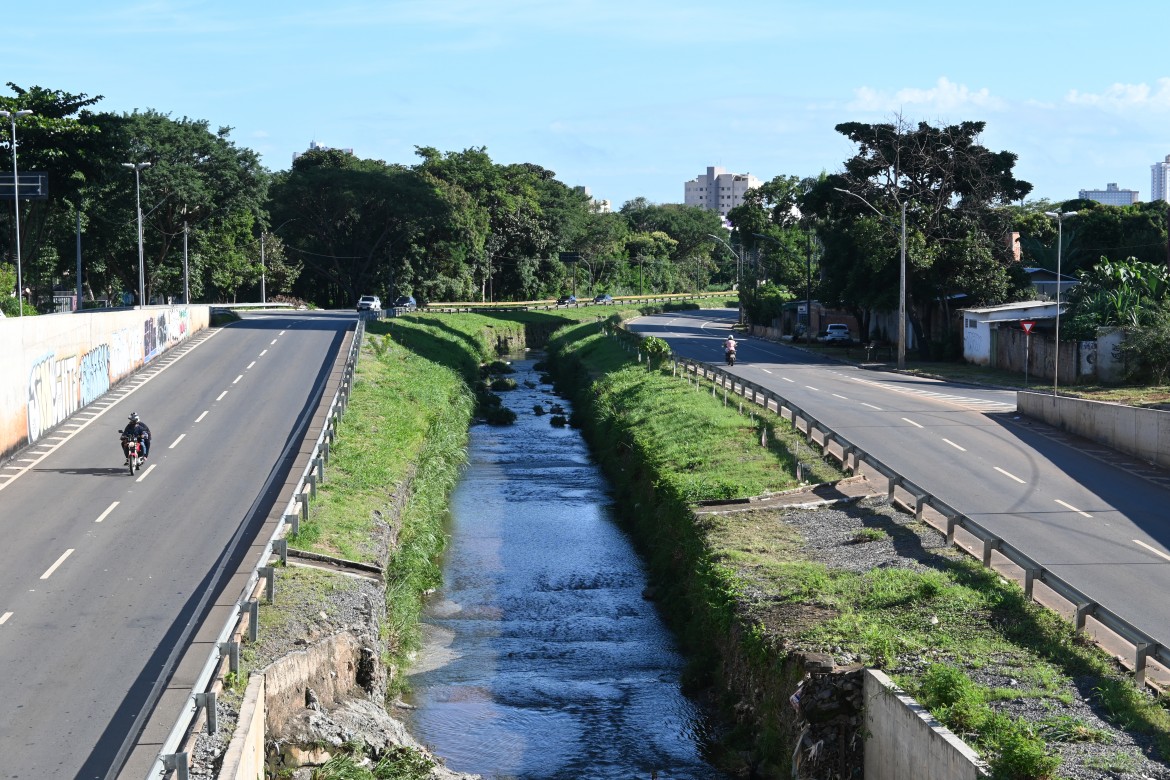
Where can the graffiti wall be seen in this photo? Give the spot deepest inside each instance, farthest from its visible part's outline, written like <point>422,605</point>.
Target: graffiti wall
<point>52,365</point>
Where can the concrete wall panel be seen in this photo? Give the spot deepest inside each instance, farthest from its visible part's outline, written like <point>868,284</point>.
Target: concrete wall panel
<point>1140,433</point>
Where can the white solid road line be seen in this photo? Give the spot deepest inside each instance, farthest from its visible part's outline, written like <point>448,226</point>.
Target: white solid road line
<point>146,473</point>
<point>200,417</point>
<point>106,513</point>
<point>1154,550</point>
<point>1072,508</point>
<point>1009,474</point>
<point>907,419</point>
<point>956,446</point>
<point>53,568</point>
<point>181,437</point>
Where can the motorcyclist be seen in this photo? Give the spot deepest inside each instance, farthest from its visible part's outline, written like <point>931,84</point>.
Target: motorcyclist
<point>135,428</point>
<point>729,345</point>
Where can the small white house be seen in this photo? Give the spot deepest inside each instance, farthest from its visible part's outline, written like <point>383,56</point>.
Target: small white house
<point>977,324</point>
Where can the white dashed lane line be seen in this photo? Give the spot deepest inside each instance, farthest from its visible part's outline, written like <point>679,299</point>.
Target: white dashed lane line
<point>146,473</point>
<point>956,446</point>
<point>4,618</point>
<point>907,419</point>
<point>200,417</point>
<point>250,365</point>
<point>221,395</point>
<point>106,513</point>
<point>871,406</point>
<point>49,572</point>
<point>262,354</point>
<point>272,342</point>
<point>176,441</point>
<point>1154,550</point>
<point>1010,475</point>
<point>1072,508</point>
<point>237,379</point>
<point>786,379</point>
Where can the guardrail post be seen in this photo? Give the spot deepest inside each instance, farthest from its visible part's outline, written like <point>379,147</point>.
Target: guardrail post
<point>325,445</point>
<point>952,521</point>
<point>177,763</point>
<point>1141,652</point>
<point>269,575</point>
<point>280,547</point>
<point>988,546</point>
<point>206,700</point>
<point>1083,612</point>
<point>303,498</point>
<point>1029,581</point>
<point>294,522</point>
<point>311,482</point>
<point>919,502</point>
<point>253,620</point>
<point>232,651</point>
<point>894,483</point>
<point>319,463</point>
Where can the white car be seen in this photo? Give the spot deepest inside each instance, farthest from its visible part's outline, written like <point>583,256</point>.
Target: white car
<point>369,303</point>
<point>835,332</point>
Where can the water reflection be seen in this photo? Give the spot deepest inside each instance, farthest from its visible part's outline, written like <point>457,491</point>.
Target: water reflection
<point>543,659</point>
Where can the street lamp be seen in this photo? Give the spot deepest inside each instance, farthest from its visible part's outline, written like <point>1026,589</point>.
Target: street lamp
<point>1060,217</point>
<point>11,116</point>
<point>738,281</point>
<point>138,204</point>
<point>901,276</point>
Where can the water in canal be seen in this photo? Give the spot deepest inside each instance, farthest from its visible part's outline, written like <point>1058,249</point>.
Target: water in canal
<point>543,659</point>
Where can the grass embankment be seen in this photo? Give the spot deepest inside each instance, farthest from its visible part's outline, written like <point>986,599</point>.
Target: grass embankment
<point>744,591</point>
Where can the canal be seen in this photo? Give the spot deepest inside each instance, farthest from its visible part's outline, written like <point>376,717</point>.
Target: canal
<point>543,659</point>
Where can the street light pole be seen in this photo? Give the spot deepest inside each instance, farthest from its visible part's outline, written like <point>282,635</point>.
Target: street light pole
<point>186,275</point>
<point>1060,217</point>
<point>11,116</point>
<point>138,206</point>
<point>738,284</point>
<point>901,275</point>
<point>263,293</point>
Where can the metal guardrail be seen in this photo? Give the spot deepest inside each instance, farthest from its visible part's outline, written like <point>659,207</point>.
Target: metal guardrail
<point>201,697</point>
<point>852,457</point>
<point>462,308</point>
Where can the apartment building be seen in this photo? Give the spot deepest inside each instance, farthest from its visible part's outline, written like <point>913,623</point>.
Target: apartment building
<point>718,190</point>
<point>1160,180</point>
<point>1111,196</point>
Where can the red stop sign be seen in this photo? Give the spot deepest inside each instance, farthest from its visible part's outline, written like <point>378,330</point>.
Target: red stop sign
<point>1027,325</point>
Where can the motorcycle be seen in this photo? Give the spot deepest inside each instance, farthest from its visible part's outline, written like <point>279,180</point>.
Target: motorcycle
<point>134,456</point>
<point>730,356</point>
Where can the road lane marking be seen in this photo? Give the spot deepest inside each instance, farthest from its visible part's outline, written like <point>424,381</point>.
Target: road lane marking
<point>262,354</point>
<point>106,513</point>
<point>838,395</point>
<point>907,419</point>
<point>146,473</point>
<point>1072,508</point>
<point>766,371</point>
<point>221,395</point>
<point>4,618</point>
<point>250,365</point>
<point>237,379</point>
<point>1135,541</point>
<point>1009,474</point>
<point>272,342</point>
<point>871,406</point>
<point>53,568</point>
<point>956,446</point>
<point>786,379</point>
<point>200,417</point>
<point>281,333</point>
<point>810,387</point>
<point>181,437</point>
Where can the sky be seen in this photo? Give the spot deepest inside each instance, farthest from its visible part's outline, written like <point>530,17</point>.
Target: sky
<point>630,98</point>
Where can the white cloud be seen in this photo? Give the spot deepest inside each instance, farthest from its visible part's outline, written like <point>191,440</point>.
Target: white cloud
<point>1122,97</point>
<point>943,97</point>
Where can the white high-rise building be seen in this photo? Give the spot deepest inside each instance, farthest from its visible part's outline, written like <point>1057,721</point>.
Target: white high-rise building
<point>1160,180</point>
<point>719,190</point>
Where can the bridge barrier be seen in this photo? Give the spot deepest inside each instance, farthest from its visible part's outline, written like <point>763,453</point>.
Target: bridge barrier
<point>224,653</point>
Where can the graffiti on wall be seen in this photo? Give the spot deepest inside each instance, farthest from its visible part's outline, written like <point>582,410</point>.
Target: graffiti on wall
<point>59,386</point>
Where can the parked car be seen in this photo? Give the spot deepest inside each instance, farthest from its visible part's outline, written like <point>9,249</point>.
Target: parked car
<point>603,298</point>
<point>405,302</point>
<point>369,303</point>
<point>835,333</point>
<point>564,300</point>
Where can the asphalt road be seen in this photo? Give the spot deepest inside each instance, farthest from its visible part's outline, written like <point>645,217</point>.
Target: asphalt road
<point>1091,520</point>
<point>101,572</point>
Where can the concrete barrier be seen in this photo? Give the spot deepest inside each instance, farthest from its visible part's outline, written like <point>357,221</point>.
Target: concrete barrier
<point>244,759</point>
<point>905,742</point>
<point>1141,433</point>
<point>54,364</point>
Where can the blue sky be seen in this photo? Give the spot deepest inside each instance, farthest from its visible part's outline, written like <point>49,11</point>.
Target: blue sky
<point>630,98</point>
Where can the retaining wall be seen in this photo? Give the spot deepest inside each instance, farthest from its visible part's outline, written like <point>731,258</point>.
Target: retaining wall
<point>1141,433</point>
<point>244,759</point>
<point>905,742</point>
<point>52,365</point>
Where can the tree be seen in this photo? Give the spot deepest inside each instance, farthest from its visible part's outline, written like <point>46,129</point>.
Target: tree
<point>953,189</point>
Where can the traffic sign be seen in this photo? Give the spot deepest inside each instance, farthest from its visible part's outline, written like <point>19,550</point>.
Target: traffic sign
<point>1027,325</point>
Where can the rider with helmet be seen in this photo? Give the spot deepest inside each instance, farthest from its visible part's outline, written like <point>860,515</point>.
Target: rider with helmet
<point>729,345</point>
<point>135,428</point>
